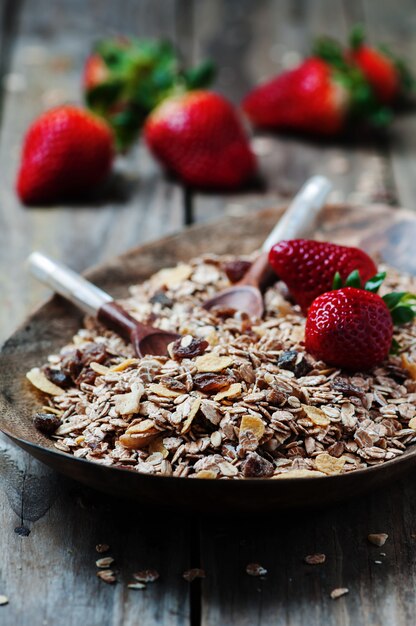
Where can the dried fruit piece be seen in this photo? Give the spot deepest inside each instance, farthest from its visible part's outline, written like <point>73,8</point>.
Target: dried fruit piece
<point>255,466</point>
<point>378,539</point>
<point>255,569</point>
<point>139,435</point>
<point>212,363</point>
<point>412,423</point>
<point>107,576</point>
<point>233,391</point>
<point>160,297</point>
<point>206,474</point>
<point>317,416</point>
<point>209,383</point>
<point>104,562</point>
<point>146,575</point>
<point>157,446</point>
<point>99,369</point>
<point>164,392</point>
<point>128,403</point>
<point>47,423</point>
<point>409,366</point>
<point>328,464</point>
<point>41,382</point>
<point>57,377</point>
<point>191,574</point>
<point>187,347</point>
<point>315,559</point>
<point>294,362</point>
<point>339,592</point>
<point>236,269</point>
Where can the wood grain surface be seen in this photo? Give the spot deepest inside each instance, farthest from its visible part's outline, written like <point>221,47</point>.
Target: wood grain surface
<point>49,525</point>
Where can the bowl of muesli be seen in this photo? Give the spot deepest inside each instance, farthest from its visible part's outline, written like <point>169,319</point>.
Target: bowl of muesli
<point>238,416</point>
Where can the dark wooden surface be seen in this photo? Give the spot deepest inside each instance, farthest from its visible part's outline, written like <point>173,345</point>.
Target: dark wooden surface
<point>49,575</point>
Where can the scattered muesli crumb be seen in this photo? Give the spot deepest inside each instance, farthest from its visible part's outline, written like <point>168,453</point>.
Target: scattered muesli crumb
<point>378,562</point>
<point>255,569</point>
<point>107,575</point>
<point>105,562</point>
<point>136,585</point>
<point>4,600</point>
<point>146,575</point>
<point>315,559</point>
<point>190,574</point>
<point>102,547</point>
<point>378,539</point>
<point>338,592</point>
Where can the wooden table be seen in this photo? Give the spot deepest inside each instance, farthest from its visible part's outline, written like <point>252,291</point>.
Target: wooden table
<point>50,526</point>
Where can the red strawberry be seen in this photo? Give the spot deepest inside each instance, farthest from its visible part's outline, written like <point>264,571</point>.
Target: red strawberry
<point>388,76</point>
<point>309,267</point>
<point>199,137</point>
<point>307,99</point>
<point>349,328</point>
<point>67,151</point>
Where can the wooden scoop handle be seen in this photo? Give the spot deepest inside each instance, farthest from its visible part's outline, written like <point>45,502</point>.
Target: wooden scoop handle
<point>259,274</point>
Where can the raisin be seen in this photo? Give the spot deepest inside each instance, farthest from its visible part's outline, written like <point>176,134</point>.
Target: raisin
<point>87,376</point>
<point>223,312</point>
<point>72,364</point>
<point>346,388</point>
<point>255,466</point>
<point>47,423</point>
<point>172,383</point>
<point>160,297</point>
<point>292,361</point>
<point>95,353</point>
<point>235,270</point>
<point>58,377</point>
<point>195,348</point>
<point>211,383</point>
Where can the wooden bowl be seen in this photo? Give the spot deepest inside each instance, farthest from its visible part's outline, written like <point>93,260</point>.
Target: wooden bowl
<point>378,229</point>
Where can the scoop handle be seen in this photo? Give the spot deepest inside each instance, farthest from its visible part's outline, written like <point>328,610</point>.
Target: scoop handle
<point>68,283</point>
<point>299,218</point>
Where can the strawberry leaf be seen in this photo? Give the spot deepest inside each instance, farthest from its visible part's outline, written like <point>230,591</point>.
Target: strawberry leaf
<point>374,283</point>
<point>354,280</point>
<point>395,347</point>
<point>357,36</point>
<point>393,299</point>
<point>337,282</point>
<point>402,306</point>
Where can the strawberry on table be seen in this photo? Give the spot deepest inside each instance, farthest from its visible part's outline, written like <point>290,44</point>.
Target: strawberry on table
<point>199,137</point>
<point>309,267</point>
<point>308,98</point>
<point>387,74</point>
<point>67,152</point>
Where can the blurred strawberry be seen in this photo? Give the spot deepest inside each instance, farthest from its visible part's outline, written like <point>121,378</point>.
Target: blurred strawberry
<point>200,138</point>
<point>67,152</point>
<point>387,74</point>
<point>124,79</point>
<point>308,98</point>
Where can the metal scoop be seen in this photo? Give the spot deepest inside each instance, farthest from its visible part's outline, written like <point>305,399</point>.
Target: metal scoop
<point>297,221</point>
<point>89,298</point>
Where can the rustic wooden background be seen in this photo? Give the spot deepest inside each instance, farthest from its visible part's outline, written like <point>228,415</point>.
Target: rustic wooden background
<point>49,526</point>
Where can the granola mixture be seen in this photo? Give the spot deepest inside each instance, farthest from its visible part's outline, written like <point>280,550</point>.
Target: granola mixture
<point>237,398</point>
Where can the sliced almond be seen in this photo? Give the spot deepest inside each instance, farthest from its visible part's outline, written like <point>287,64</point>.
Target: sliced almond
<point>300,473</point>
<point>120,367</point>
<point>173,276</point>
<point>316,416</point>
<point>137,441</point>
<point>128,403</point>
<point>163,392</point>
<point>100,369</point>
<point>409,366</point>
<point>105,562</point>
<point>253,424</point>
<point>329,464</point>
<point>141,427</point>
<point>412,423</point>
<point>157,446</point>
<point>233,391</point>
<point>206,474</point>
<point>39,380</point>
<point>51,409</point>
<point>76,423</point>
<point>194,410</point>
<point>212,363</point>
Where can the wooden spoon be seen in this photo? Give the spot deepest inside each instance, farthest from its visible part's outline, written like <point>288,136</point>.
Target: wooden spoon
<point>297,221</point>
<point>89,298</point>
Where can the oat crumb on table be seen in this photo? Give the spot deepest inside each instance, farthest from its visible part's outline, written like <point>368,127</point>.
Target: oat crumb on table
<point>237,398</point>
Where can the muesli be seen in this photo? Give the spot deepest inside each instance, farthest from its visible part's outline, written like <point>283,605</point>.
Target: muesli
<point>237,397</point>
